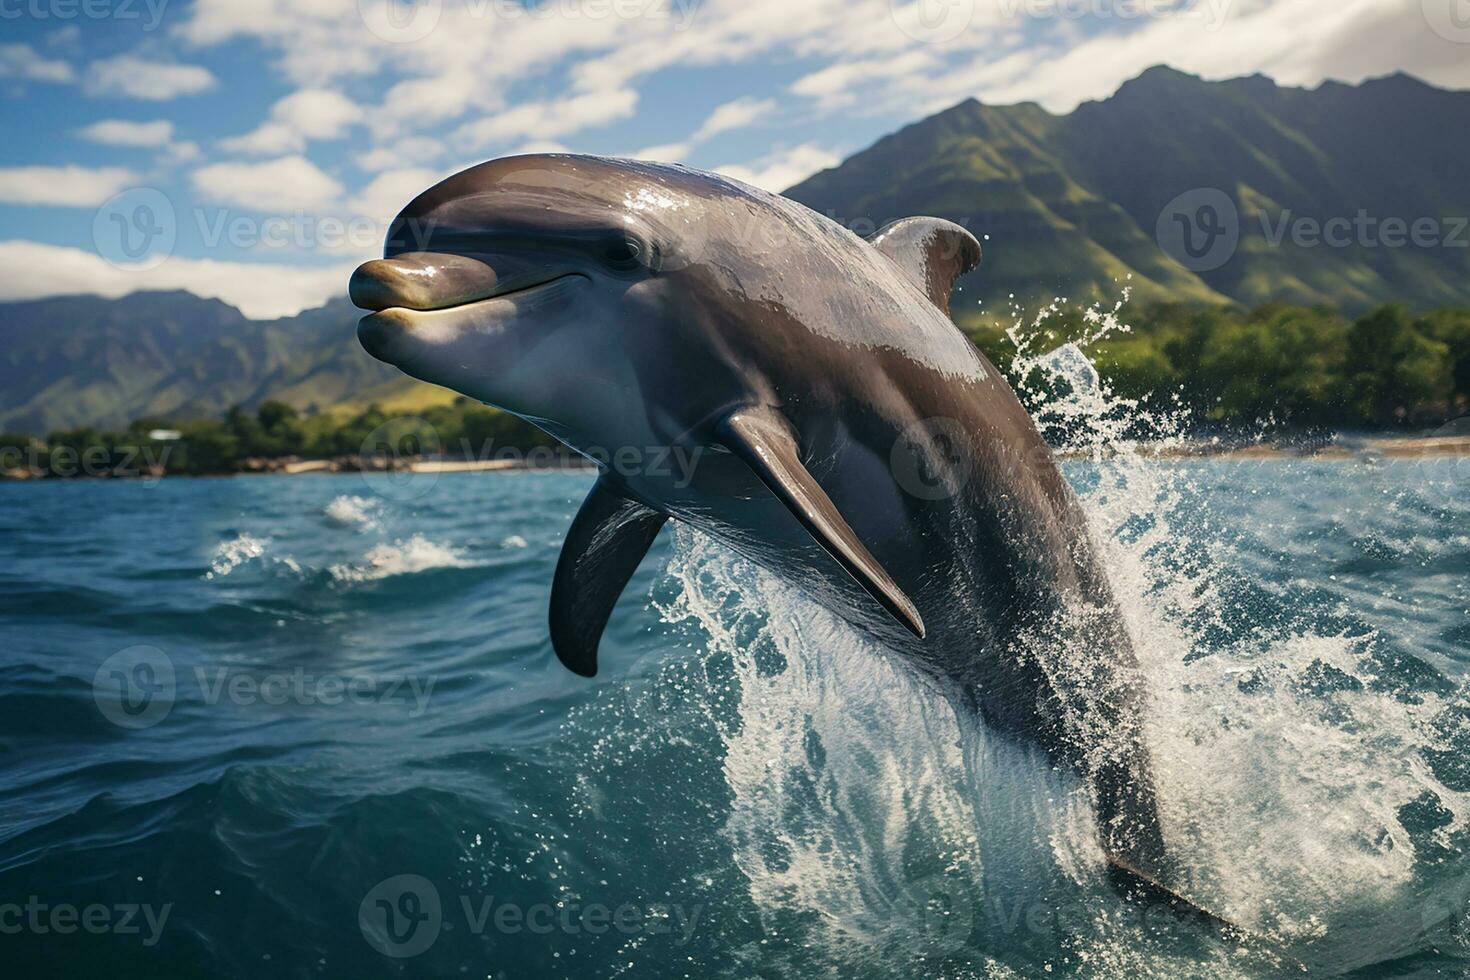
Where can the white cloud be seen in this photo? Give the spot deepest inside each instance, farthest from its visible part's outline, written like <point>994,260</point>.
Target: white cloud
<point>153,80</point>
<point>836,85</point>
<point>123,132</point>
<point>1302,42</point>
<point>547,120</point>
<point>783,169</point>
<point>66,186</point>
<point>729,116</point>
<point>303,115</point>
<point>733,115</point>
<point>664,152</point>
<point>22,61</point>
<point>267,139</point>
<point>408,150</point>
<point>418,102</point>
<point>287,184</point>
<point>214,21</point>
<point>387,193</point>
<point>882,56</point>
<point>319,114</point>
<point>182,152</point>
<point>157,134</point>
<point>261,290</point>
<point>1061,60</point>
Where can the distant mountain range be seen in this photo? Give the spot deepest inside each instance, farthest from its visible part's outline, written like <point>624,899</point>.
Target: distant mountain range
<point>1073,204</point>
<point>83,360</point>
<point>1180,188</point>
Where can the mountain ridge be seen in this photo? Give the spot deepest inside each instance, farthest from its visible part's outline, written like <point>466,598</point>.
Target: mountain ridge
<point>1071,202</point>
<point>1068,206</point>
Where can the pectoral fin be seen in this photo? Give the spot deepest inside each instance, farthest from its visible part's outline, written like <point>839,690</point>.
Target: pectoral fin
<point>607,539</point>
<point>932,251</point>
<point>763,439</point>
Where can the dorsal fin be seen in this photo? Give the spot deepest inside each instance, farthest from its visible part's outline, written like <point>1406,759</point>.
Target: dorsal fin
<point>932,252</point>
<point>607,539</point>
<point>764,439</point>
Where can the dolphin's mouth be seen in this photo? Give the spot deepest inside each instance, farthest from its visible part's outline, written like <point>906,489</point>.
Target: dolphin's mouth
<point>506,289</point>
<point>397,332</point>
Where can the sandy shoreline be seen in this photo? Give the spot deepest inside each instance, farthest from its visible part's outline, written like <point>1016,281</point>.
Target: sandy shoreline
<point>1385,447</point>
<point>1334,448</point>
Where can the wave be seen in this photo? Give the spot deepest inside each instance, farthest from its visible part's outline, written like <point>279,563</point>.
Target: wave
<point>403,557</point>
<point>349,510</point>
<point>230,555</point>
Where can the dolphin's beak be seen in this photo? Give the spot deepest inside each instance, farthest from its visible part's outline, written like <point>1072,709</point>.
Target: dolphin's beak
<point>409,294</point>
<point>423,300</point>
<point>421,281</point>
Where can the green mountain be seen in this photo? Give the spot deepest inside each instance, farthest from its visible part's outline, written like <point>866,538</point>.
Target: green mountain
<point>1067,206</point>
<point>1072,204</point>
<point>84,360</point>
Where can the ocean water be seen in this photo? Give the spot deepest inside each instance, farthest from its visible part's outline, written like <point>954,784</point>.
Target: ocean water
<point>312,726</point>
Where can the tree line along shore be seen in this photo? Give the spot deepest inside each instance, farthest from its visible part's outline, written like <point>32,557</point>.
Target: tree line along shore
<point>1275,371</point>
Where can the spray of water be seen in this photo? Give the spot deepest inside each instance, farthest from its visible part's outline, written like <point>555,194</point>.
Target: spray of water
<point>875,830</point>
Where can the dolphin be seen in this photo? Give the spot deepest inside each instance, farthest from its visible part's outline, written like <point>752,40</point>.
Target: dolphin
<point>849,437</point>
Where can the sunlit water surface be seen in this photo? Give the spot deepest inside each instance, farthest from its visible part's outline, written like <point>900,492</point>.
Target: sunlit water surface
<point>246,708</point>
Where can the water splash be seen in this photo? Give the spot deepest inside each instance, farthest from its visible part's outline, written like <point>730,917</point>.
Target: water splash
<point>230,555</point>
<point>354,511</point>
<point>402,557</point>
<point>1298,786</point>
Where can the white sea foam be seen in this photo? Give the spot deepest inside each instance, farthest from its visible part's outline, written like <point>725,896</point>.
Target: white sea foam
<point>402,557</point>
<point>353,511</point>
<point>1281,798</point>
<point>871,824</point>
<point>230,555</point>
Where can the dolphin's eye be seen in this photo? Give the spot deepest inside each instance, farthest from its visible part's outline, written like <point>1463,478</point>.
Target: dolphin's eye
<point>625,254</point>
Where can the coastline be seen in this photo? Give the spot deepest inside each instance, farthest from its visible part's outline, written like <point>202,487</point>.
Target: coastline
<point>1336,447</point>
<point>293,466</point>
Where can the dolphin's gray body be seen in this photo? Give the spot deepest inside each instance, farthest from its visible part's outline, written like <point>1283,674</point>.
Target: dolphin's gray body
<point>848,435</point>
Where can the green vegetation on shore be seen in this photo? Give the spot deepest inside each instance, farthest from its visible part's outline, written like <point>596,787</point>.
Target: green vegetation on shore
<point>1291,367</point>
<point>243,440</point>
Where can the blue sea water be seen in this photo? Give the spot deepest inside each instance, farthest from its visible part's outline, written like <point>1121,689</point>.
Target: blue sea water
<point>312,727</point>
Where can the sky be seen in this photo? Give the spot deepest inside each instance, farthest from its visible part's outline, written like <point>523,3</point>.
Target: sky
<point>255,150</point>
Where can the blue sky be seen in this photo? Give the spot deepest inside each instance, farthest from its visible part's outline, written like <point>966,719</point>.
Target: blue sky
<point>253,150</point>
